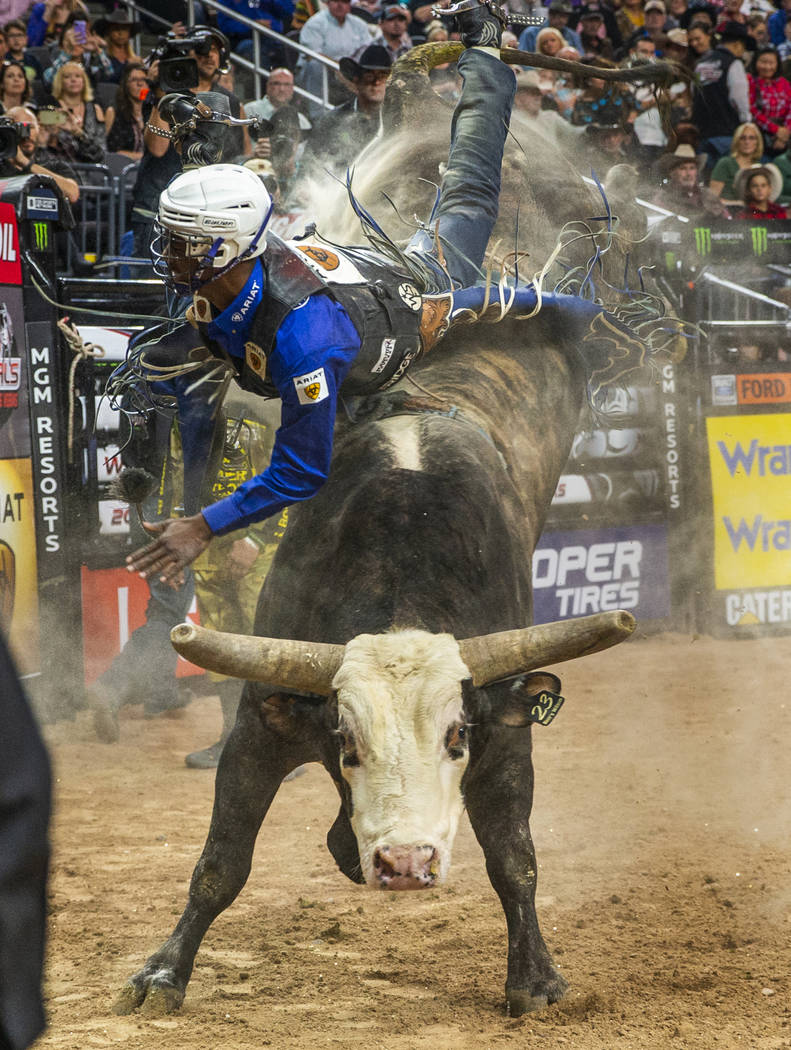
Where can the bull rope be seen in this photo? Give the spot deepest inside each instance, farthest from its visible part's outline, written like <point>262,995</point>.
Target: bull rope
<point>82,351</point>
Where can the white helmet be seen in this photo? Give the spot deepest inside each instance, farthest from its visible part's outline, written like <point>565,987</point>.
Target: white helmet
<point>209,220</point>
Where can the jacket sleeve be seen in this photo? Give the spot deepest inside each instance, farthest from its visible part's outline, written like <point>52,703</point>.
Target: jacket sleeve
<point>316,345</point>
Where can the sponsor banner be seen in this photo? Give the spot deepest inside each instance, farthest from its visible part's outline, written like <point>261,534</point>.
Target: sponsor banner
<point>18,576</point>
<point>14,422</point>
<point>764,388</point>
<point>758,608</point>
<point>114,517</point>
<point>578,572</point>
<point>10,263</point>
<point>750,460</point>
<point>108,463</point>
<point>113,607</point>
<point>47,447</point>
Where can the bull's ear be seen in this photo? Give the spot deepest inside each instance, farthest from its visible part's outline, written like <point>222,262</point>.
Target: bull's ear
<point>533,697</point>
<point>284,711</point>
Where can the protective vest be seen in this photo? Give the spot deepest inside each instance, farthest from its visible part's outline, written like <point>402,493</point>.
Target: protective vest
<point>383,304</point>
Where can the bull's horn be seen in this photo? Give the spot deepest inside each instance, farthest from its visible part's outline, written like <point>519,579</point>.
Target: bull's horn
<point>306,667</point>
<point>494,656</point>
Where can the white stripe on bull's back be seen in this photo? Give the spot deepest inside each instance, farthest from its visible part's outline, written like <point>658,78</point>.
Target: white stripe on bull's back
<point>403,435</point>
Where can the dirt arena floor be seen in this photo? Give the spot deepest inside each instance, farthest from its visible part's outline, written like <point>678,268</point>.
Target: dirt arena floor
<point>661,820</point>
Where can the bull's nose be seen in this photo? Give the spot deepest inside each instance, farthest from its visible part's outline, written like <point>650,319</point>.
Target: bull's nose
<point>406,867</point>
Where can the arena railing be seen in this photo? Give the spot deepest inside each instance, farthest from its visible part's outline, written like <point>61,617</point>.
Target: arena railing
<point>259,72</point>
<point>96,230</point>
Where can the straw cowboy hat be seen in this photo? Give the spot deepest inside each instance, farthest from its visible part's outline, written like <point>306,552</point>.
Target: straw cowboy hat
<point>681,155</point>
<point>771,171</point>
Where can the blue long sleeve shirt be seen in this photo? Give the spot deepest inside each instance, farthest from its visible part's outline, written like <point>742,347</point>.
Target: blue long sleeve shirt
<point>314,349</point>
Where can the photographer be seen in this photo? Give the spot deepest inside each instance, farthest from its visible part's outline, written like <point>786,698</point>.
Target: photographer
<point>23,125</point>
<point>190,63</point>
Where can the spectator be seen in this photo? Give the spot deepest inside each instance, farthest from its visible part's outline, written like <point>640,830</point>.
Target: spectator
<point>602,103</point>
<point>334,33</point>
<point>682,191</point>
<point>48,19</point>
<point>675,46</point>
<point>117,30</point>
<point>630,16</point>
<point>648,130</point>
<point>784,49</point>
<point>722,100</point>
<point>274,14</point>
<point>549,41</point>
<point>770,100</point>
<point>15,35</point>
<point>3,45</point>
<point>369,11</point>
<point>776,23</point>
<point>339,136</point>
<point>444,78</point>
<point>15,87</point>
<point>31,152</point>
<point>565,89</point>
<point>84,47</point>
<point>303,10</point>
<point>549,123</point>
<point>747,148</point>
<point>595,43</point>
<point>700,12</point>
<point>81,137</point>
<point>731,12</point>
<point>393,33</point>
<point>209,65</point>
<point>123,122</point>
<point>759,187</point>
<point>605,147</point>
<point>698,40</point>
<point>676,11</point>
<point>655,19</point>
<point>279,93</point>
<point>558,14</point>
<point>758,29</point>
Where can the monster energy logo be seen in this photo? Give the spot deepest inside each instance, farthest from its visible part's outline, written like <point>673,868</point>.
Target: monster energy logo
<point>759,239</point>
<point>41,236</point>
<point>703,240</point>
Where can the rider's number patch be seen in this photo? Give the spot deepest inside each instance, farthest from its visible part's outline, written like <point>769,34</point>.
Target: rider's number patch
<point>311,388</point>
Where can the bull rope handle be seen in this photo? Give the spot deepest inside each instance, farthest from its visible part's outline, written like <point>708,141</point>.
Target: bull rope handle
<point>82,351</point>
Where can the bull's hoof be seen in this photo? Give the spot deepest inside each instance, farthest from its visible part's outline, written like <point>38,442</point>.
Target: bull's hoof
<point>520,1001</point>
<point>129,998</point>
<point>156,996</point>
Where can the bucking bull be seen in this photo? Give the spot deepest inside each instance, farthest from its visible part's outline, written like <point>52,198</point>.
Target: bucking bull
<point>392,644</point>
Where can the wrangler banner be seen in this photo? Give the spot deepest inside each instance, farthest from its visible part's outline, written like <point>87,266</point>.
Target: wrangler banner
<point>750,459</point>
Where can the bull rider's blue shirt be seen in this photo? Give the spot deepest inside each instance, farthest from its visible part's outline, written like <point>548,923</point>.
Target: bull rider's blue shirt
<point>314,349</point>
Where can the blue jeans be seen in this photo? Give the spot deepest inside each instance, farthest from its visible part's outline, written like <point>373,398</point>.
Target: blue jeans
<point>470,193</point>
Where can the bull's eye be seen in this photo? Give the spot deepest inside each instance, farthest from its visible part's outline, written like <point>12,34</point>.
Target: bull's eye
<point>456,740</point>
<point>348,748</point>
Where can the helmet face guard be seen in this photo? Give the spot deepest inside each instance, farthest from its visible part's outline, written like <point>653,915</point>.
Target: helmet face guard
<point>187,261</point>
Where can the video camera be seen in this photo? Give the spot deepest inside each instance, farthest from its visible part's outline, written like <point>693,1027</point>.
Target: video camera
<point>11,134</point>
<point>178,70</point>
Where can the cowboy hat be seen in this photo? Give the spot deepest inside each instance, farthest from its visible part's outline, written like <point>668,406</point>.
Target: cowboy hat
<point>681,155</point>
<point>372,57</point>
<point>771,171</point>
<point>527,80</point>
<point>117,19</point>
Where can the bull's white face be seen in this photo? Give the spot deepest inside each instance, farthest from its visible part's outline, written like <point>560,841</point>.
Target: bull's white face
<point>403,753</point>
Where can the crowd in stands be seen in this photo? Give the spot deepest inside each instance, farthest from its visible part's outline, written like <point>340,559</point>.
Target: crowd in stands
<point>716,143</point>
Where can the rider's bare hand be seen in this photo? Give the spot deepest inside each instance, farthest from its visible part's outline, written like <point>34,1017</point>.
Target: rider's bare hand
<point>179,541</point>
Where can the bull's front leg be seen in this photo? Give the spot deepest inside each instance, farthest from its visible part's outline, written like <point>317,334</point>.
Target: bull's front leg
<point>499,796</point>
<point>252,766</point>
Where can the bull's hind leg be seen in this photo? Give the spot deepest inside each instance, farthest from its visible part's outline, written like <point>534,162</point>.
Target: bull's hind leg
<point>253,763</point>
<point>499,796</point>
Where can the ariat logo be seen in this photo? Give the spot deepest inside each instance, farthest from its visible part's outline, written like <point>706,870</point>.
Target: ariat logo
<point>255,358</point>
<point>311,388</point>
<point>326,260</point>
<point>703,240</point>
<point>758,234</point>
<point>41,236</point>
<point>239,315</point>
